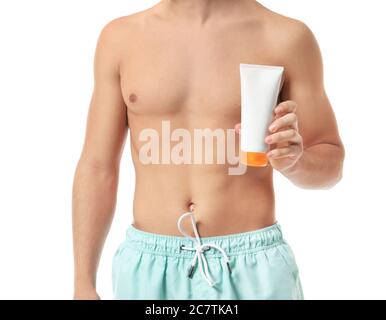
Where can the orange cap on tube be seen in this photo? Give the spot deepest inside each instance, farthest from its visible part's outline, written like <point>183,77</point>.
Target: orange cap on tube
<point>254,159</point>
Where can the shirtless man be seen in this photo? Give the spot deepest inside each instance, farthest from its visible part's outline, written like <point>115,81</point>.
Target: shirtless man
<point>179,61</point>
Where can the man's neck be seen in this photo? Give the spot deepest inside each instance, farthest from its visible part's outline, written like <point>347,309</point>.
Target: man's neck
<point>201,11</point>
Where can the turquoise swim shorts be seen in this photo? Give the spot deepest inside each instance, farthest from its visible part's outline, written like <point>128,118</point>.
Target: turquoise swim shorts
<point>255,265</point>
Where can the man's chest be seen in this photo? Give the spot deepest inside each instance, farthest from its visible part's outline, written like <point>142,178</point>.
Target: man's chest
<point>178,76</point>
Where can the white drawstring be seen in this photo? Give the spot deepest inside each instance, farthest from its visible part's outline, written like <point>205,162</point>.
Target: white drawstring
<point>200,249</point>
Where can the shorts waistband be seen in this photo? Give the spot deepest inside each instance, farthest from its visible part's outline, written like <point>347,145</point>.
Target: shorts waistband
<point>233,244</point>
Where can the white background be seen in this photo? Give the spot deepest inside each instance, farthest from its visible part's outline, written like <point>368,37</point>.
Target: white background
<point>46,57</point>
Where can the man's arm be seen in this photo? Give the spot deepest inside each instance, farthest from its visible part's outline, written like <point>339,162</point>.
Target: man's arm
<point>96,176</point>
<point>321,163</point>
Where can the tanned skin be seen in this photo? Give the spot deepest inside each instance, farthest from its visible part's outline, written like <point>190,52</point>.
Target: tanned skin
<point>179,61</point>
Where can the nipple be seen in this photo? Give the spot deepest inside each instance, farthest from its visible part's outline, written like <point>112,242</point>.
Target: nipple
<point>133,98</point>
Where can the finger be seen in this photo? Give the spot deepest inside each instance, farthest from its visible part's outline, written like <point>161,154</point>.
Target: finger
<point>291,136</point>
<point>283,153</point>
<point>238,128</point>
<point>286,107</point>
<point>289,120</point>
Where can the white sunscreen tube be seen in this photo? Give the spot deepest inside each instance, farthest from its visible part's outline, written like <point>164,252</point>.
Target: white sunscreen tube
<point>260,87</point>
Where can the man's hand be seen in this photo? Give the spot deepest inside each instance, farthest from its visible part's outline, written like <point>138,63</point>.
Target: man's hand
<point>86,295</point>
<point>286,144</point>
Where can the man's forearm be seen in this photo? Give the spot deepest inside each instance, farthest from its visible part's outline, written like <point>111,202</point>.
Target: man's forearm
<point>93,205</point>
<point>320,167</point>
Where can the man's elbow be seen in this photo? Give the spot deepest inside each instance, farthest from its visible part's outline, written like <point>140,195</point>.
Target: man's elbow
<point>337,176</point>
<point>89,168</point>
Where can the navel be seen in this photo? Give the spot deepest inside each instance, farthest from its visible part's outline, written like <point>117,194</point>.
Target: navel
<point>191,206</point>
<point>133,98</point>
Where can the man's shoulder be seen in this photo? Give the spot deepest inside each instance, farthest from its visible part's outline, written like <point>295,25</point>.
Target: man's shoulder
<point>289,31</point>
<point>293,43</point>
<point>123,24</point>
<point>287,38</point>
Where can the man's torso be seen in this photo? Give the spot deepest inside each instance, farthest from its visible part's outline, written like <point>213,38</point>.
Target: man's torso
<point>189,76</point>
